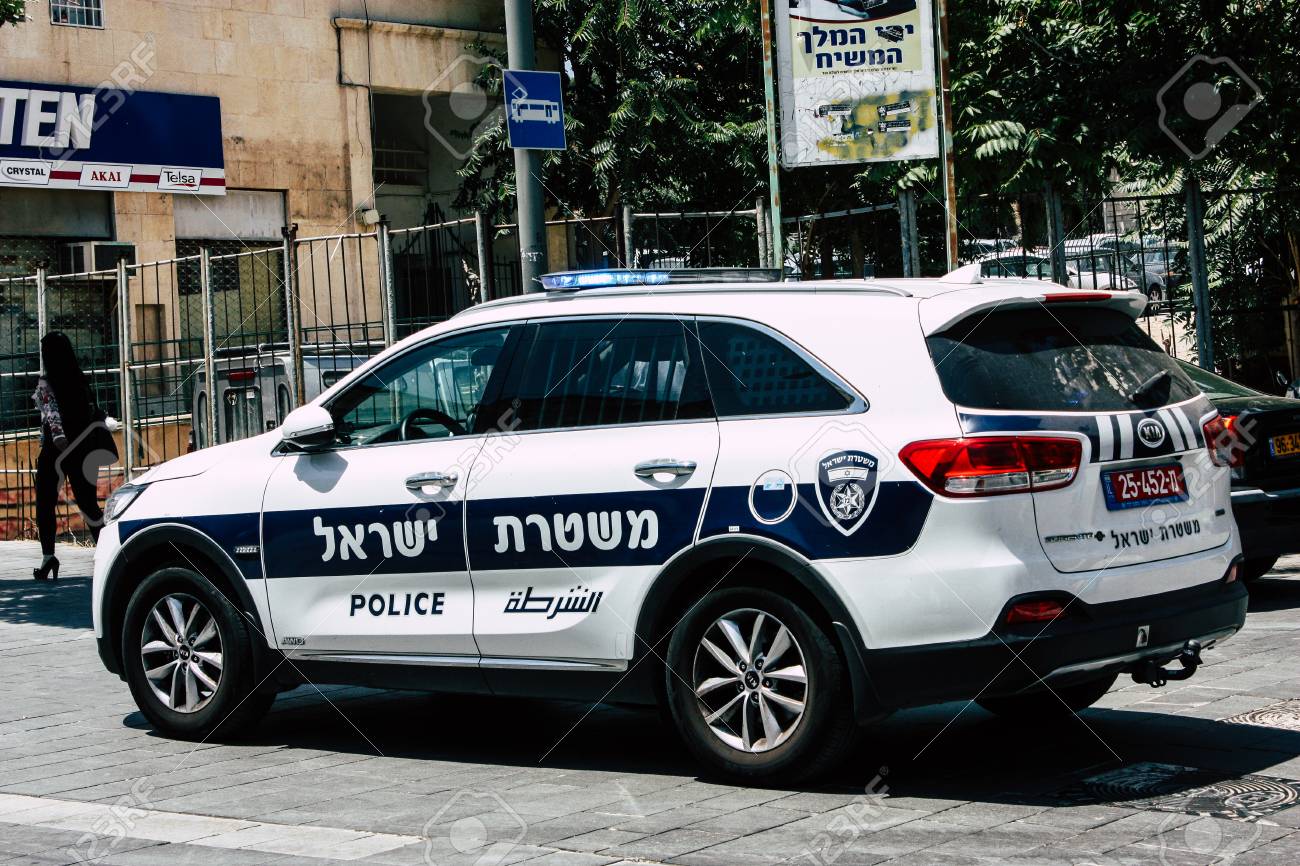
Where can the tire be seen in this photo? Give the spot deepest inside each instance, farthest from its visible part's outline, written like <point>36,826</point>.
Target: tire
<point>187,707</point>
<point>1049,704</point>
<point>1155,293</point>
<point>806,742</point>
<point>1254,569</point>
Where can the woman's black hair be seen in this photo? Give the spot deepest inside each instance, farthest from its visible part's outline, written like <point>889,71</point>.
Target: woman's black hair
<point>65,378</point>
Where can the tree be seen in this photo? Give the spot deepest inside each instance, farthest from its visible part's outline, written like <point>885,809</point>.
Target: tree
<point>12,12</point>
<point>663,105</point>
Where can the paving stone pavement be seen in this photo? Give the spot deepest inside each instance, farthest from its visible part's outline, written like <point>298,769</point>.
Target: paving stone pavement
<point>348,774</point>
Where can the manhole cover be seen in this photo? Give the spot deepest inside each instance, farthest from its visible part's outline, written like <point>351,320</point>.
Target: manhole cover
<point>1169,788</point>
<point>1284,715</point>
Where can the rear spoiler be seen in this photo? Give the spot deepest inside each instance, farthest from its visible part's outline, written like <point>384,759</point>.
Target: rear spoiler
<point>940,312</point>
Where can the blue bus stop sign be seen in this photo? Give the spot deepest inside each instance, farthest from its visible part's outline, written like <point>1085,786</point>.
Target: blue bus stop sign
<point>534,110</point>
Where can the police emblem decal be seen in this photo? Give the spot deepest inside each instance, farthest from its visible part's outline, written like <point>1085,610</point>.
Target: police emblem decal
<point>846,488</point>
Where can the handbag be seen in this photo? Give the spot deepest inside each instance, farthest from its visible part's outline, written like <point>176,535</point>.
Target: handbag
<point>100,445</point>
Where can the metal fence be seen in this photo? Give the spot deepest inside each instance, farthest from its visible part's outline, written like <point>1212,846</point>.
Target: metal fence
<point>224,340</point>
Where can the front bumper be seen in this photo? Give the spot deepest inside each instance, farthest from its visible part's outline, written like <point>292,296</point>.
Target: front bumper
<point>1088,641</point>
<point>1269,521</point>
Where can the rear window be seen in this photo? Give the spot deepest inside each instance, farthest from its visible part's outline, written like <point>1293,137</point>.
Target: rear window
<point>1067,359</point>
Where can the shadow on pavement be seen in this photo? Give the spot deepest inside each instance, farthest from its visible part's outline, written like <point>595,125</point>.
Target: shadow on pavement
<point>63,603</point>
<point>925,752</point>
<point>1275,592</point>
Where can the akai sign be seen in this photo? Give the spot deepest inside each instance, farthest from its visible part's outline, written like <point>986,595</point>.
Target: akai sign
<point>61,136</point>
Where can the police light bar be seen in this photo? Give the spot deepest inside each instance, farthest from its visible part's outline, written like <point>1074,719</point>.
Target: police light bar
<point>570,281</point>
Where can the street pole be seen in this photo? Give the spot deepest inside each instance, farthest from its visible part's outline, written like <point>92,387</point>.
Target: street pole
<point>945,136</point>
<point>773,165</point>
<point>522,55</point>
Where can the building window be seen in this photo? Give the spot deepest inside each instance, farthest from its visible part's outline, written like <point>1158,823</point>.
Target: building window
<point>77,13</point>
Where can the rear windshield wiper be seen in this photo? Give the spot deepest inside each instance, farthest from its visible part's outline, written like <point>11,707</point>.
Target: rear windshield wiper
<point>1145,390</point>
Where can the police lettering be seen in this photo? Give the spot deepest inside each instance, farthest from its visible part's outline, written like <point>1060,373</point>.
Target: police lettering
<point>395,604</point>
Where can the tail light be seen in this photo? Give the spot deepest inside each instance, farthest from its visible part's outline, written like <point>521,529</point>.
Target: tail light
<point>1042,610</point>
<point>994,465</point>
<point>241,375</point>
<point>1223,442</point>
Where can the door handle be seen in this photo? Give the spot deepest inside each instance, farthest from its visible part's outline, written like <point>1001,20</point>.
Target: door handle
<point>421,480</point>
<point>664,466</point>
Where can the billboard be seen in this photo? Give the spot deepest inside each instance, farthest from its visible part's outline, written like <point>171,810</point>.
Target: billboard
<point>857,81</point>
<point>66,137</point>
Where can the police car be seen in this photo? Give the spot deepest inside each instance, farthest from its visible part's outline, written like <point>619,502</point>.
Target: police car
<point>780,510</point>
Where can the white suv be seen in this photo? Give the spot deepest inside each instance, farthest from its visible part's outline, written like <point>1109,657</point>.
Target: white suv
<point>780,509</point>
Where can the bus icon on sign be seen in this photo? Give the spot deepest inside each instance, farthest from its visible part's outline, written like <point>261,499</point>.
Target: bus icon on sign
<point>535,109</point>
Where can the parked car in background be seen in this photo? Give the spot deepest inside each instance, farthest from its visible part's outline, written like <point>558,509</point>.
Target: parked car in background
<point>254,387</point>
<point>1099,269</point>
<point>1265,465</point>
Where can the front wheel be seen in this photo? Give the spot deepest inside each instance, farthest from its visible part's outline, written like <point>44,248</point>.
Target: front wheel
<point>757,689</point>
<point>1051,703</point>
<point>188,657</point>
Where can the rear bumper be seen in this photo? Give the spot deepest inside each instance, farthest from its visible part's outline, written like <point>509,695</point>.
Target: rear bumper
<point>1090,640</point>
<point>1269,521</point>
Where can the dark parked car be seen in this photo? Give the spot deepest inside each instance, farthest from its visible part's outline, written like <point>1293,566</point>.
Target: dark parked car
<point>1265,467</point>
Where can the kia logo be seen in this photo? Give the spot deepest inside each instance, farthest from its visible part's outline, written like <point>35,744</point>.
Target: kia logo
<point>1151,432</point>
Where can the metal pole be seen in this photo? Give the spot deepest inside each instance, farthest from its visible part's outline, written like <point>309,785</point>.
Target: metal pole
<point>521,54</point>
<point>1055,233</point>
<point>483,248</point>
<point>385,242</point>
<point>209,343</point>
<point>760,231</point>
<point>945,135</point>
<point>292,301</point>
<point>1199,273</point>
<point>42,315</point>
<point>124,365</point>
<point>905,234</point>
<point>629,242</point>
<point>773,164</point>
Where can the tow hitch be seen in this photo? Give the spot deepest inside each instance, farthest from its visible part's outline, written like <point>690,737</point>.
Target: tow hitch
<point>1151,673</point>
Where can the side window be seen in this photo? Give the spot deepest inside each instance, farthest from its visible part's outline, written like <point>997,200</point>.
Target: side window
<point>430,392</point>
<point>607,371</point>
<point>753,373</point>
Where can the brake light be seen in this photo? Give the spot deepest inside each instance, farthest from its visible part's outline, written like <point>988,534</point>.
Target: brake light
<point>1034,611</point>
<point>994,465</point>
<point>1075,297</point>
<point>1223,441</point>
<point>241,375</point>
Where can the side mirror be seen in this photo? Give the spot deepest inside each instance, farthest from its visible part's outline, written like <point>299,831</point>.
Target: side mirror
<point>308,427</point>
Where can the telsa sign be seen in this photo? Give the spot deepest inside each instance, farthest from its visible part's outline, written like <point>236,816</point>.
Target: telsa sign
<point>51,118</point>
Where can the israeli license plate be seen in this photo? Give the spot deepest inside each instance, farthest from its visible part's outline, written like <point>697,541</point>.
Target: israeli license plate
<point>1150,485</point>
<point>1286,445</point>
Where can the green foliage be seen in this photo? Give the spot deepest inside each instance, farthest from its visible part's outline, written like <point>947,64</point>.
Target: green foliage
<point>12,12</point>
<point>663,104</point>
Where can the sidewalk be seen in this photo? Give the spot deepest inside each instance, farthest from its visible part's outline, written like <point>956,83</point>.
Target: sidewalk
<point>347,774</point>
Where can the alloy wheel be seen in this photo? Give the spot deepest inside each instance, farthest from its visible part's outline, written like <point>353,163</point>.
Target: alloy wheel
<point>750,680</point>
<point>181,649</point>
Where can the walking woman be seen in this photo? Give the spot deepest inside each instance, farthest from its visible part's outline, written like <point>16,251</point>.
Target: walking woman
<point>69,445</point>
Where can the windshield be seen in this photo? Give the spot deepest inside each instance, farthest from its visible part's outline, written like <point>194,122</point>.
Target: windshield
<point>1215,386</point>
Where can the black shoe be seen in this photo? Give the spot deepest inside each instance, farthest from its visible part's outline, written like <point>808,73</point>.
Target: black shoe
<point>49,569</point>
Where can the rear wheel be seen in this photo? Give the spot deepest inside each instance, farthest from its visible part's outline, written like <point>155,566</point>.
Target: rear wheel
<point>757,689</point>
<point>1155,292</point>
<point>1050,703</point>
<point>1254,569</point>
<point>188,657</point>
